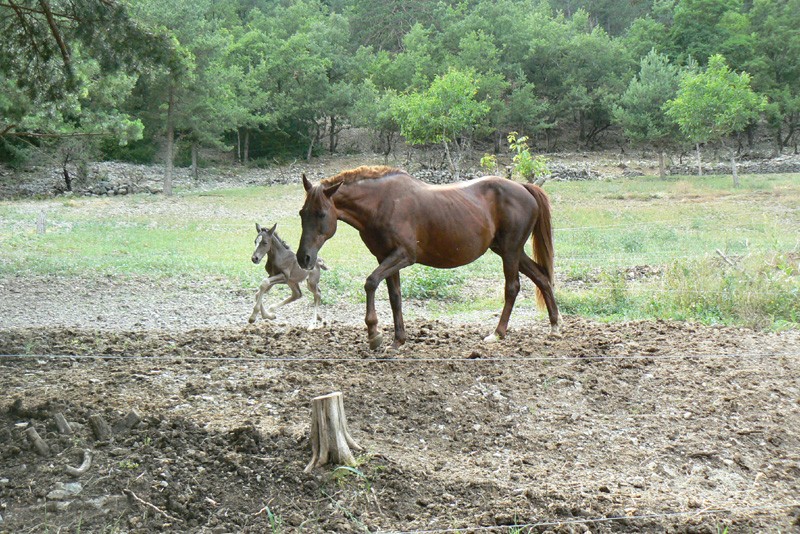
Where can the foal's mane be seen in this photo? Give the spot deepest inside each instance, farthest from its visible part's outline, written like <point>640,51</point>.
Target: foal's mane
<point>365,172</point>
<point>279,239</point>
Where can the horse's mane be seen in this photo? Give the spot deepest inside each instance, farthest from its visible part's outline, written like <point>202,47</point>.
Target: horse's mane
<point>365,172</point>
<point>279,239</point>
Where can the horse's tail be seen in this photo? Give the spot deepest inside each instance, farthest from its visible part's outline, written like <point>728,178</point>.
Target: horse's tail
<point>542,238</point>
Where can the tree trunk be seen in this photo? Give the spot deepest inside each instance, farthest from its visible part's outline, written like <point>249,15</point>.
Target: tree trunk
<point>330,438</point>
<point>733,168</point>
<point>67,178</point>
<point>332,136</point>
<point>450,161</point>
<point>662,171</point>
<point>239,145</point>
<point>699,161</point>
<point>194,162</point>
<point>246,158</point>
<point>170,140</point>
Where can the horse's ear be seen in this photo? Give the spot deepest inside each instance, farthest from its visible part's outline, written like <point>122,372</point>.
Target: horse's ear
<point>258,228</point>
<point>329,191</point>
<point>272,230</point>
<point>306,184</point>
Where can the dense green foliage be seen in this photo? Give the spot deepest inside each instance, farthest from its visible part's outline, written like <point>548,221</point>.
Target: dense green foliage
<point>277,78</point>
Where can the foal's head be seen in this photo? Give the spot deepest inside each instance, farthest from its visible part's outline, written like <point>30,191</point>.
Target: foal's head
<point>263,242</point>
<point>318,217</point>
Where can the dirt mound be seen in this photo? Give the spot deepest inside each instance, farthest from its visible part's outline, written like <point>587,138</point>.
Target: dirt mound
<point>642,426</point>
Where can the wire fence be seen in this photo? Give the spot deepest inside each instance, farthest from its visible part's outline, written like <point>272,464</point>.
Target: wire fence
<point>402,361</point>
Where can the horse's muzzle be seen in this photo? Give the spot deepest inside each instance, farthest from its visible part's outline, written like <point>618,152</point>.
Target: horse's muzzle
<point>255,259</point>
<point>305,261</point>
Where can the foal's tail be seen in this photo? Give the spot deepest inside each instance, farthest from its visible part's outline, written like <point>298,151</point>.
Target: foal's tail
<point>542,238</point>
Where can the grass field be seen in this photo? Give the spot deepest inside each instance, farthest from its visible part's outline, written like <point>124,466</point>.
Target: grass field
<point>685,248</point>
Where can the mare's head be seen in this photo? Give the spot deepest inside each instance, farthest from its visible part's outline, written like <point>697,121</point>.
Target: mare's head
<point>318,217</point>
<point>263,242</point>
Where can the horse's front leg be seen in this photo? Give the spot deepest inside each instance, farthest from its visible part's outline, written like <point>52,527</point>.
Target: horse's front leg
<point>266,285</point>
<point>262,288</point>
<point>390,266</point>
<point>313,285</point>
<point>396,301</point>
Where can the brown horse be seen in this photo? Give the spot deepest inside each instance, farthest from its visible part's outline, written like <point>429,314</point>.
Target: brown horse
<point>403,221</point>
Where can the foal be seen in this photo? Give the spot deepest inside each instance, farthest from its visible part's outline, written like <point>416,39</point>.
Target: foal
<point>282,268</point>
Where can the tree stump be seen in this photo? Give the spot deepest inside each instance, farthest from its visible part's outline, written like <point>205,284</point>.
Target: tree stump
<point>330,440</point>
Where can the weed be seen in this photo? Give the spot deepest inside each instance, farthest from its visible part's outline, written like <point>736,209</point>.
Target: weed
<point>129,465</point>
<point>422,282</point>
<point>275,522</point>
<point>344,474</point>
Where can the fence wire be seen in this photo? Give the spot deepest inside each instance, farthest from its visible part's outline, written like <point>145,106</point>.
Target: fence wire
<point>402,360</point>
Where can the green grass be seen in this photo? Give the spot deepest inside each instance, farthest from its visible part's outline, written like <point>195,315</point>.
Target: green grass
<point>603,229</point>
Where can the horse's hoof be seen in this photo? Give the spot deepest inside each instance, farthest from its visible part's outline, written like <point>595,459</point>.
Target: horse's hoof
<point>555,333</point>
<point>269,316</point>
<point>394,348</point>
<point>492,338</point>
<point>312,327</point>
<point>251,320</point>
<point>376,342</point>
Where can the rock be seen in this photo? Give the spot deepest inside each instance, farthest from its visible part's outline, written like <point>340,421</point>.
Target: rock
<point>62,492</point>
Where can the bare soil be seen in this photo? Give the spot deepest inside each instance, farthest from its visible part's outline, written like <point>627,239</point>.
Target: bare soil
<point>626,427</point>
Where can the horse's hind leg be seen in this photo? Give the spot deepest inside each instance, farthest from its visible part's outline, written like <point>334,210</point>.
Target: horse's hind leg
<point>511,273</point>
<point>532,270</point>
<point>296,294</point>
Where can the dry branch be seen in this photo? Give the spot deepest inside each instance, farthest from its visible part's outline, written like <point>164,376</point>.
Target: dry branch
<point>87,463</point>
<point>100,429</point>
<point>62,424</point>
<point>38,443</point>
<point>152,506</point>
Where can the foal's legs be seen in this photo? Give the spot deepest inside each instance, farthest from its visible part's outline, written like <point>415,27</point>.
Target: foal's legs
<point>296,294</point>
<point>532,270</point>
<point>263,289</point>
<point>391,265</point>
<point>313,285</point>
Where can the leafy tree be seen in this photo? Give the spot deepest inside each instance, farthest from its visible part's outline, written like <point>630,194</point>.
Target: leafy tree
<point>702,28</point>
<point>65,69</point>
<point>775,64</point>
<point>373,109</point>
<point>447,112</point>
<point>640,109</point>
<point>597,69</point>
<point>715,103</point>
<point>614,16</point>
<point>644,35</point>
<point>531,168</point>
<point>192,97</point>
